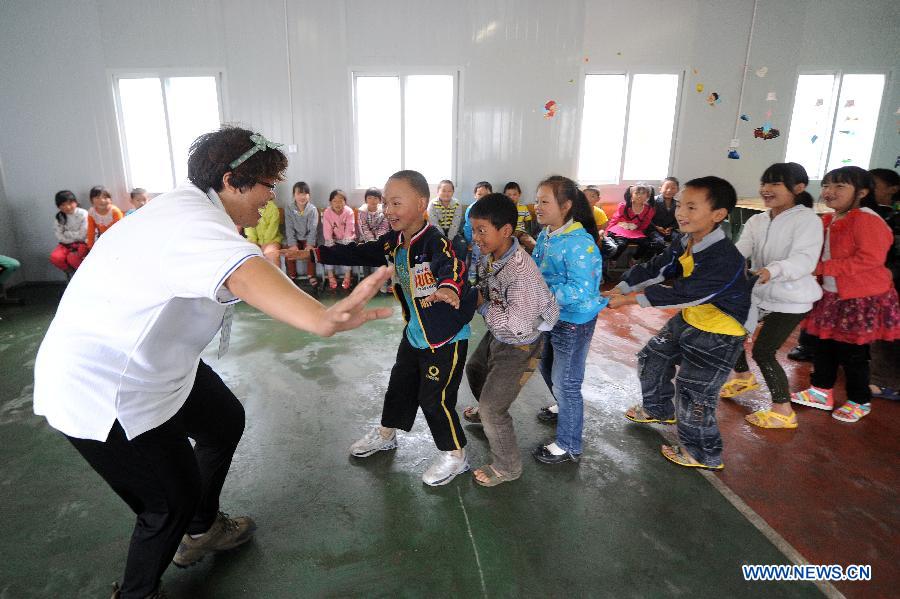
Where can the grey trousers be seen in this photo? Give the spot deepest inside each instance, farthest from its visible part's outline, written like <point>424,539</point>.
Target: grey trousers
<point>497,372</point>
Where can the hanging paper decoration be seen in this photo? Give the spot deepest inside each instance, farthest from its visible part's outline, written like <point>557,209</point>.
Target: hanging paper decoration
<point>745,117</point>
<point>699,88</point>
<point>820,102</point>
<point>772,133</point>
<point>771,97</point>
<point>550,109</point>
<point>897,163</point>
<point>813,139</point>
<point>761,71</point>
<point>713,98</point>
<point>849,104</point>
<point>846,161</point>
<point>734,154</point>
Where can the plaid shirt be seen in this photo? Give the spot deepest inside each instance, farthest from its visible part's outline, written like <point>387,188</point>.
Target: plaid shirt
<point>518,305</point>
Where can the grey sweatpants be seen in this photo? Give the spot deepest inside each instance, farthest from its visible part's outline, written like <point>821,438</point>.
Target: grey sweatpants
<point>497,372</point>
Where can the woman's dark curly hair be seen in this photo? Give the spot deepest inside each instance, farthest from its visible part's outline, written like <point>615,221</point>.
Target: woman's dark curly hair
<point>211,154</point>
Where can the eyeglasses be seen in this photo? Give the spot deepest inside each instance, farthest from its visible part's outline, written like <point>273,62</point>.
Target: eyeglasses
<point>271,186</point>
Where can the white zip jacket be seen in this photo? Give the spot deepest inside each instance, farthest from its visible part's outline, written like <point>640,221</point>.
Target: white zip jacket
<point>788,246</point>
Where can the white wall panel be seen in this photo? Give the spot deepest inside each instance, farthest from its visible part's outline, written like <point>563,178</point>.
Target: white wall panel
<point>287,72</point>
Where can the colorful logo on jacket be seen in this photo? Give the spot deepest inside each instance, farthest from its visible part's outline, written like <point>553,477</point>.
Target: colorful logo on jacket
<point>434,373</point>
<point>423,281</point>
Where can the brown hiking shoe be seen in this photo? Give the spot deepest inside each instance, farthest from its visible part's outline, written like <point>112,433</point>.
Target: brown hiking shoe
<point>225,533</point>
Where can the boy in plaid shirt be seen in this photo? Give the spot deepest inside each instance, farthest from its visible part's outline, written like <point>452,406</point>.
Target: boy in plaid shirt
<point>516,305</point>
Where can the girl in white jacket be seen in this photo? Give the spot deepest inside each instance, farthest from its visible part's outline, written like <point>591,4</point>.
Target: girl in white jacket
<point>783,245</point>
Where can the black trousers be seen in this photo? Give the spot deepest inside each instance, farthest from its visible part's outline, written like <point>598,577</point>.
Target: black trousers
<point>427,379</point>
<point>172,488</point>
<point>828,354</point>
<point>643,249</point>
<point>776,328</point>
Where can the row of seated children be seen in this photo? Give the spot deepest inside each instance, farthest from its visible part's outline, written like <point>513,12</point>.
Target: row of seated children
<point>77,229</point>
<point>339,225</point>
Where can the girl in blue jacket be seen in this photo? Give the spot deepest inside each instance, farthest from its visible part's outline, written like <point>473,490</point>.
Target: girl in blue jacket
<point>569,258</point>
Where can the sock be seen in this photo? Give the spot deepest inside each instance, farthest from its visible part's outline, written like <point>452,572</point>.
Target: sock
<point>555,449</point>
<point>386,433</point>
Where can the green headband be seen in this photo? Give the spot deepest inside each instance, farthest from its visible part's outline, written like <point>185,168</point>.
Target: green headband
<point>260,144</point>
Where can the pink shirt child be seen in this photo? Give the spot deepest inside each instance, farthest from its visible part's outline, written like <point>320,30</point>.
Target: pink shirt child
<point>338,228</point>
<point>627,217</point>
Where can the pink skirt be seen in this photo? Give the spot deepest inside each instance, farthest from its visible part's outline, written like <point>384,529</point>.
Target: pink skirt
<point>859,320</point>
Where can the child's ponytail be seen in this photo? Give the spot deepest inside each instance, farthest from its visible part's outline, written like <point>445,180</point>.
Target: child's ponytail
<point>566,190</point>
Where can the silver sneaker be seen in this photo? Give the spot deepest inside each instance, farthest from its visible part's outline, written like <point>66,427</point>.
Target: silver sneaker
<point>444,468</point>
<point>373,442</point>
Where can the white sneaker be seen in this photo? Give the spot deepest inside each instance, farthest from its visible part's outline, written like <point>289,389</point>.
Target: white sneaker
<point>444,468</point>
<point>373,442</point>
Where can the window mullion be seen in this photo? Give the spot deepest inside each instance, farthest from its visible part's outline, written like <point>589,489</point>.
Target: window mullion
<point>164,84</point>
<point>402,79</point>
<point>629,79</point>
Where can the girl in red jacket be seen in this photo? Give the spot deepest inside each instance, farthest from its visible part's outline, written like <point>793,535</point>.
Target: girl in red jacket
<point>859,304</point>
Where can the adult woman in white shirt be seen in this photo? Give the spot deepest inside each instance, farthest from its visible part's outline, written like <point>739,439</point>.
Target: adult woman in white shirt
<point>119,371</point>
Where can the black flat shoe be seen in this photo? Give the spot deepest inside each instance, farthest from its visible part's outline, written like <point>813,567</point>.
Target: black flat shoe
<point>800,354</point>
<point>545,415</point>
<point>543,455</point>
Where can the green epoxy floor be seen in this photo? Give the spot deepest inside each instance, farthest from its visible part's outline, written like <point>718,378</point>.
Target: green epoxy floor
<point>622,523</point>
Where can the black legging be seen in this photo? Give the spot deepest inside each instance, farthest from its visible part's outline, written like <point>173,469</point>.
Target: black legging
<point>621,243</point>
<point>776,328</point>
<point>828,354</point>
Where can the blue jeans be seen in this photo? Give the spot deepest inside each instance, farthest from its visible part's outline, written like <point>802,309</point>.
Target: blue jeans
<point>562,366</point>
<point>705,361</point>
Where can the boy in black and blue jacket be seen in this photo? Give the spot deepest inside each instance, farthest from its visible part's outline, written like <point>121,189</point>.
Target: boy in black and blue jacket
<point>438,303</point>
<point>711,285</point>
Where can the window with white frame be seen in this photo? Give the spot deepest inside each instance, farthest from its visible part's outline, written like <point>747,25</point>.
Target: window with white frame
<point>159,117</point>
<point>404,122</point>
<point>834,120</point>
<point>627,126</point>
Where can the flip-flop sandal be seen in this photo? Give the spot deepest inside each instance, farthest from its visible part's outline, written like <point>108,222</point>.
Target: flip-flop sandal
<point>494,478</point>
<point>682,458</point>
<point>642,417</point>
<point>735,387</point>
<point>887,393</point>
<point>770,419</point>
<point>471,415</point>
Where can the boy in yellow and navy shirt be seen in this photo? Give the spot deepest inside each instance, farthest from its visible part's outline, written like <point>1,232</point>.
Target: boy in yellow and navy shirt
<point>712,287</point>
<point>524,222</point>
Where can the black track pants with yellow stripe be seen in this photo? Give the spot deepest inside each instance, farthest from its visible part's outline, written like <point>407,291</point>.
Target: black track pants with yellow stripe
<point>427,379</point>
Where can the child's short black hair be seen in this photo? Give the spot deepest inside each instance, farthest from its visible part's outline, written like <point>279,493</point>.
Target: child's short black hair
<point>497,209</point>
<point>719,192</point>
<point>790,174</point>
<point>335,193</point>
<point>374,192</point>
<point>858,177</point>
<point>98,191</point>
<point>416,180</point>
<point>512,185</point>
<point>301,186</point>
<point>673,180</point>
<point>64,197</point>
<point>484,184</point>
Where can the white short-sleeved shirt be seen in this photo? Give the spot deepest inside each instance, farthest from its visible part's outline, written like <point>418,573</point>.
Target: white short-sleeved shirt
<point>126,340</point>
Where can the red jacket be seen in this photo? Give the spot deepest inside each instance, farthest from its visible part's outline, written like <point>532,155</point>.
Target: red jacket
<point>859,243</point>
